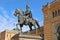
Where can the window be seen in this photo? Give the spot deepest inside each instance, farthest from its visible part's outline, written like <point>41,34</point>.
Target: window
<point>58,30</point>
<point>58,12</point>
<point>7,35</point>
<point>54,14</point>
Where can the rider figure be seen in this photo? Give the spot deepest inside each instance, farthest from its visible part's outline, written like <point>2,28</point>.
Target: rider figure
<point>28,12</point>
<point>29,16</point>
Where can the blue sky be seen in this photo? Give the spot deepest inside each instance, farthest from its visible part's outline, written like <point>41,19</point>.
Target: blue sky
<point>7,8</point>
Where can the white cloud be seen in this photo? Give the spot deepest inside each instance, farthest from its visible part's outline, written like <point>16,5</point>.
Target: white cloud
<point>4,12</point>
<point>4,17</point>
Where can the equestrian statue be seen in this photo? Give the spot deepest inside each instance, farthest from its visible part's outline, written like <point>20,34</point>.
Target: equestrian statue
<point>25,18</point>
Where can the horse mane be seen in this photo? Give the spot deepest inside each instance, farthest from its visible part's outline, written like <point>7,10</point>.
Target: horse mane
<point>21,12</point>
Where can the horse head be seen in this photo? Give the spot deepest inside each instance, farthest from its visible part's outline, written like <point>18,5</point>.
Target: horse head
<point>19,11</point>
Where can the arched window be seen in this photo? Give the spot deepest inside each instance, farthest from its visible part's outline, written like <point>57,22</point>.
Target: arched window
<point>58,30</point>
<point>58,12</point>
<point>54,14</point>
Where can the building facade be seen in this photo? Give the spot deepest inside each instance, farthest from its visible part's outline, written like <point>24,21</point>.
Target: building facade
<point>7,34</point>
<point>52,20</point>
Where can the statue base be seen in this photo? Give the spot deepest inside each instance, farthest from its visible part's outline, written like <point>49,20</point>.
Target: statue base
<point>26,37</point>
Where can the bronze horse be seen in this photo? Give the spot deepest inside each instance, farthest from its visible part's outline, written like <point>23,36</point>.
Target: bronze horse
<point>24,20</point>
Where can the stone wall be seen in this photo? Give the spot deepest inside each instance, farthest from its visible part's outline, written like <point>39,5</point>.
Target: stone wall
<point>26,37</point>
<point>49,20</point>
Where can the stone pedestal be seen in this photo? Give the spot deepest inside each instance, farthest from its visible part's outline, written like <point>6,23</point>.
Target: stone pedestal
<point>26,37</point>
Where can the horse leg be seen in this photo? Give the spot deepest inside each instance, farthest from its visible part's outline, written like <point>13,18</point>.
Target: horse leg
<point>21,25</point>
<point>38,25</point>
<point>30,27</point>
<point>17,26</point>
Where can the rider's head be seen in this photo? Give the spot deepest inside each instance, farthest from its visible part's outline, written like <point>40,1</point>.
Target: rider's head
<point>27,7</point>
